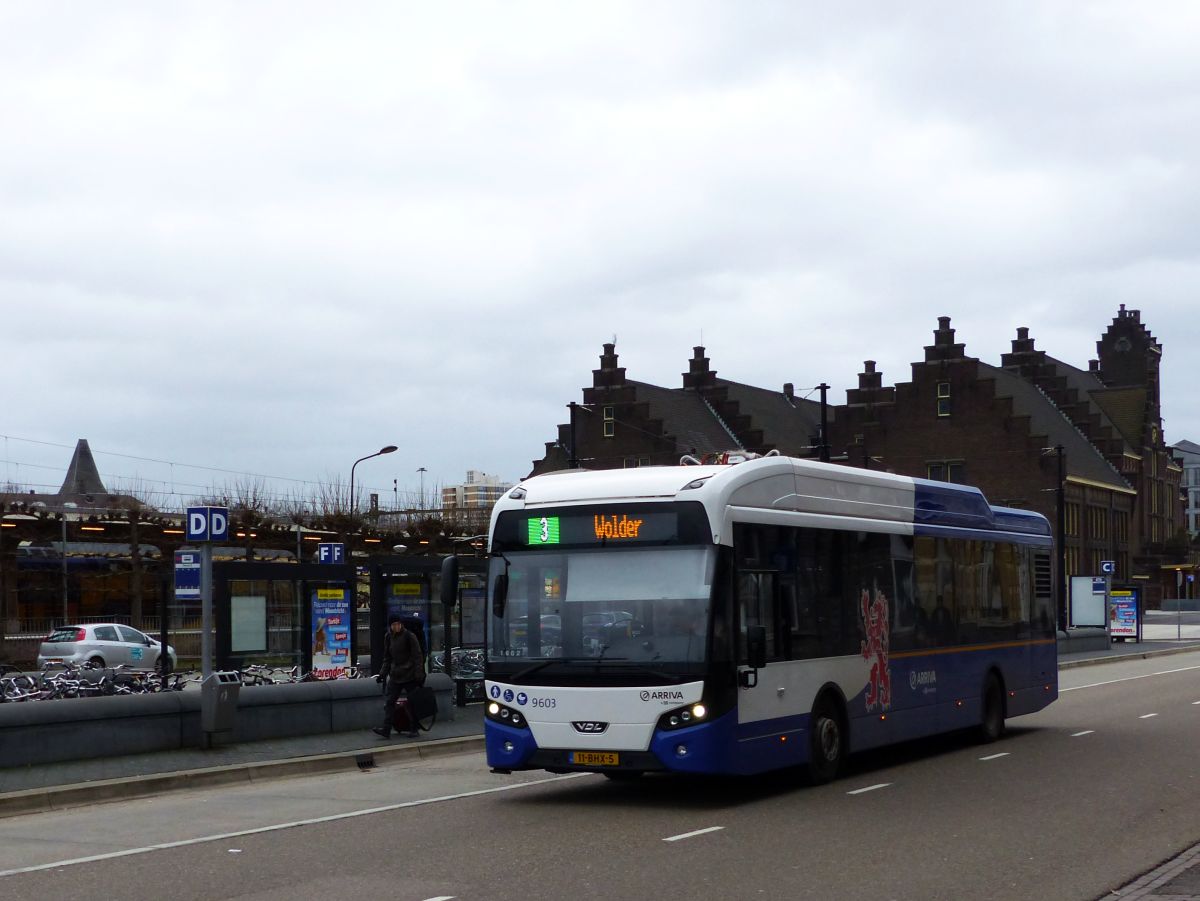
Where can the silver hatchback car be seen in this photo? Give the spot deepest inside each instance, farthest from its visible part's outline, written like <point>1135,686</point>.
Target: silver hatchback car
<point>102,644</point>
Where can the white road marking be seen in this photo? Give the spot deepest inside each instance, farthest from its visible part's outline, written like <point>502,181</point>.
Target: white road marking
<point>1146,716</point>
<point>869,788</point>
<point>1165,672</point>
<point>331,818</point>
<point>1084,732</point>
<point>995,756</point>
<point>442,898</point>
<point>679,838</point>
<point>1194,703</point>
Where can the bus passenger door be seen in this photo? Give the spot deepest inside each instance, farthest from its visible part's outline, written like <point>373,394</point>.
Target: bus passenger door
<point>757,601</point>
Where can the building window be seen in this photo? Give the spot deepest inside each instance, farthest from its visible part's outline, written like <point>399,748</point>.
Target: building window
<point>946,471</point>
<point>608,414</point>
<point>943,398</point>
<point>610,428</point>
<point>1071,519</point>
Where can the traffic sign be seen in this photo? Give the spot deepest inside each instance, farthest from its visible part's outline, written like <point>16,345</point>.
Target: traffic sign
<point>1108,567</point>
<point>207,523</point>
<point>331,552</point>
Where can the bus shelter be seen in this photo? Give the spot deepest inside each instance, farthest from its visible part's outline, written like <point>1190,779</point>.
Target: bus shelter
<point>410,587</point>
<point>286,614</point>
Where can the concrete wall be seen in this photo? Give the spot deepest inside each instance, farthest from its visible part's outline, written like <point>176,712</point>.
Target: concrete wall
<point>36,732</point>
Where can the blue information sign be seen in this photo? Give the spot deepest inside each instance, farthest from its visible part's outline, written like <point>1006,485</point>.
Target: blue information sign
<point>207,523</point>
<point>187,575</point>
<point>331,552</point>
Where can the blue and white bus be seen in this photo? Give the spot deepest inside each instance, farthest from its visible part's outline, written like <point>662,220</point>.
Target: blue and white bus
<point>741,618</point>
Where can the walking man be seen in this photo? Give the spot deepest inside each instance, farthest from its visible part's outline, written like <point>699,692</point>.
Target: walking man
<point>403,668</point>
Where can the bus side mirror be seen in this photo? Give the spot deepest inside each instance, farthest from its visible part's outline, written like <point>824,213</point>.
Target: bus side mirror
<point>756,646</point>
<point>500,595</point>
<point>450,581</point>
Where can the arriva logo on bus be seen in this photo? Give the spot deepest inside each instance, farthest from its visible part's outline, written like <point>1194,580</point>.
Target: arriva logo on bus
<point>662,696</point>
<point>616,527</point>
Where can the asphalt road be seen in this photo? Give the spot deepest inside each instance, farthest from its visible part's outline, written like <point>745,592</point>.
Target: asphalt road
<point>1077,800</point>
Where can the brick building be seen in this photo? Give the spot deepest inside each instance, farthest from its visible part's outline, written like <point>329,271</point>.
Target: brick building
<point>1000,428</point>
<point>624,423</point>
<point>957,419</point>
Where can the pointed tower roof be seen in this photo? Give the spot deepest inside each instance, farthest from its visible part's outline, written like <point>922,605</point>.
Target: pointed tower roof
<point>82,475</point>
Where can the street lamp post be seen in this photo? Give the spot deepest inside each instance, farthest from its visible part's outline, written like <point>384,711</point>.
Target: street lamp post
<point>390,449</point>
<point>1060,537</point>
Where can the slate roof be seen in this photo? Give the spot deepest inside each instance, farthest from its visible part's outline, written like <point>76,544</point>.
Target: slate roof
<point>1084,459</point>
<point>786,424</point>
<point>1114,411</point>
<point>82,475</point>
<point>685,417</point>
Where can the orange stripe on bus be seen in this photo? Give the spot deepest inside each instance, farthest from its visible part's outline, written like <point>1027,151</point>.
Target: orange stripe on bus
<point>928,652</point>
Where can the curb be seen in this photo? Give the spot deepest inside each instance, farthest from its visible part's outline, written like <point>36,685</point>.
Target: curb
<point>1136,655</point>
<point>46,800</point>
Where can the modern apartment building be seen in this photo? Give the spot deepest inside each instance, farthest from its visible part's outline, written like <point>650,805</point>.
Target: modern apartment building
<point>1188,455</point>
<point>479,492</point>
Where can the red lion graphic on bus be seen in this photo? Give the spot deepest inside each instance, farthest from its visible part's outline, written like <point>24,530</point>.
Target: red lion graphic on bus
<point>877,626</point>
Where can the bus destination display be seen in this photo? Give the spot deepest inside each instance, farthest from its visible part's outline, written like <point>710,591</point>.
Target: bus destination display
<point>602,527</point>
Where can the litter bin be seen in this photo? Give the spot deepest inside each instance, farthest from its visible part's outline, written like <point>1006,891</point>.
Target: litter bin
<point>218,701</point>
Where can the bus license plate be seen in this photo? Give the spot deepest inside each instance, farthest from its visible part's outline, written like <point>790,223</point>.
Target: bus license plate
<point>595,758</point>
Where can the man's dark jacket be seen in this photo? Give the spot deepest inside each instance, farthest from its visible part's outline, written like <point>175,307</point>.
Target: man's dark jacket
<point>402,659</point>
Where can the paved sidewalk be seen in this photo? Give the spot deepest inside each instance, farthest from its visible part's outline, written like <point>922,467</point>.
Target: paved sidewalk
<point>1176,880</point>
<point>55,784</point>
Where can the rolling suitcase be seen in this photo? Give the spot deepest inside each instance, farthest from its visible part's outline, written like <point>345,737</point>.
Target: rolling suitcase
<point>422,707</point>
<point>402,720</point>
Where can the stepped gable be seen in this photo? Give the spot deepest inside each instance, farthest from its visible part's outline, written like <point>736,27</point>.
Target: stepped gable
<point>1078,394</point>
<point>83,478</point>
<point>684,418</point>
<point>1128,353</point>
<point>1084,459</point>
<point>783,420</point>
<point>759,418</point>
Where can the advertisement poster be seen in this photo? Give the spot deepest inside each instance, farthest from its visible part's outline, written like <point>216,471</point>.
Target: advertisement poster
<point>331,624</point>
<point>410,600</point>
<point>1122,621</point>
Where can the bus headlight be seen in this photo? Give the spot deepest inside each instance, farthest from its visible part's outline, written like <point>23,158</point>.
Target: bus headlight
<point>498,713</point>
<point>692,715</point>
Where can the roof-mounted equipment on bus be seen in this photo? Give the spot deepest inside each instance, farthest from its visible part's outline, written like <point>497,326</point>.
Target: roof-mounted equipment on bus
<point>725,458</point>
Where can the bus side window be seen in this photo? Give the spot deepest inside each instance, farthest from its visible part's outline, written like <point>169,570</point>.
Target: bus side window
<point>756,600</point>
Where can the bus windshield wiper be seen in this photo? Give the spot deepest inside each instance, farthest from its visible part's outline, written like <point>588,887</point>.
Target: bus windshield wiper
<point>538,667</point>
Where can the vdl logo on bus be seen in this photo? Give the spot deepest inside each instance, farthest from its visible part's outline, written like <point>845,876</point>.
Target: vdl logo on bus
<point>589,728</point>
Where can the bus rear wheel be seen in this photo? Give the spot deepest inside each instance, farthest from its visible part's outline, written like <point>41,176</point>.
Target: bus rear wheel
<point>991,728</point>
<point>827,742</point>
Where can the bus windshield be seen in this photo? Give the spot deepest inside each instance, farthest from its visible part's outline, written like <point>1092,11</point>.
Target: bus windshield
<point>646,606</point>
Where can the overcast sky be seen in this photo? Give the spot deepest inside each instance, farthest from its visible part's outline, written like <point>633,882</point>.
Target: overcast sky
<point>272,237</point>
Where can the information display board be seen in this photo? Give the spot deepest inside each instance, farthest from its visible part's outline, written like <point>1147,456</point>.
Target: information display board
<point>247,623</point>
<point>1089,596</point>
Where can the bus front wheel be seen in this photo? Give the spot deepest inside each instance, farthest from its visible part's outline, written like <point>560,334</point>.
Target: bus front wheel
<point>827,742</point>
<point>991,728</point>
